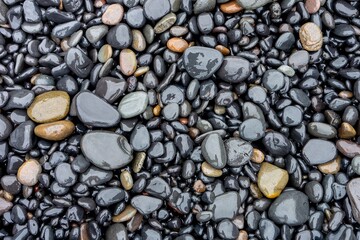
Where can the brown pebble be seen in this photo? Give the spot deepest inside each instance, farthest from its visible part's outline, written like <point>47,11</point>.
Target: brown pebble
<point>55,131</point>
<point>135,222</point>
<point>243,235</point>
<point>210,171</point>
<point>230,7</point>
<point>29,172</point>
<point>224,50</point>
<point>141,71</point>
<point>194,132</point>
<point>346,131</point>
<point>157,110</point>
<point>348,148</point>
<point>183,120</point>
<point>113,14</point>
<point>128,62</point>
<point>312,6</point>
<point>346,94</point>
<point>311,37</point>
<point>255,191</point>
<point>139,42</point>
<point>126,180</point>
<point>331,167</point>
<point>84,232</point>
<point>128,213</point>
<point>177,44</point>
<point>199,186</point>
<point>257,156</point>
<point>138,161</point>
<point>105,53</point>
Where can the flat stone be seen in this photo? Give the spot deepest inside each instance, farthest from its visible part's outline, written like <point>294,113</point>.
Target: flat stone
<point>227,230</point>
<point>234,69</point>
<point>133,104</point>
<point>272,180</point>
<point>116,231</point>
<point>95,111</point>
<point>202,62</point>
<point>201,6</point>
<point>145,204</point>
<point>29,172</point>
<point>106,150</point>
<point>210,171</point>
<point>22,138</point>
<point>238,152</point>
<point>156,9</point>
<point>3,11</point>
<point>318,151</point>
<point>126,215</point>
<point>64,30</point>
<point>331,167</point>
<point>291,208</point>
<point>253,4</point>
<point>109,196</point>
<point>113,14</point>
<point>94,176</point>
<point>177,44</point>
<point>346,131</point>
<point>55,131</point>
<point>5,127</point>
<point>252,129</point>
<point>110,88</point>
<point>165,23</point>
<point>78,62</point>
<point>225,211</point>
<point>352,190</point>
<point>49,107</point>
<point>348,148</point>
<point>95,33</point>
<point>213,150</point>
<point>64,175</point>
<point>19,99</point>
<point>321,130</point>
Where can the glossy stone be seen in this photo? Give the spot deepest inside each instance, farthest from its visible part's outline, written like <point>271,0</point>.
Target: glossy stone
<point>213,150</point>
<point>318,151</point>
<point>272,180</point>
<point>22,138</point>
<point>55,131</point>
<point>5,127</point>
<point>145,204</point>
<point>276,143</point>
<point>228,211</point>
<point>238,152</point>
<point>311,36</point>
<point>109,196</point>
<point>253,4</point>
<point>78,62</point>
<point>113,14</point>
<point>133,104</point>
<point>354,195</point>
<point>252,129</point>
<point>28,173</point>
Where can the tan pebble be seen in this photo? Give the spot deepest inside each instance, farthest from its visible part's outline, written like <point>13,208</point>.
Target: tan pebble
<point>312,6</point>
<point>220,110</point>
<point>183,120</point>
<point>272,180</point>
<point>141,71</point>
<point>128,62</point>
<point>33,78</point>
<point>139,42</point>
<point>29,172</point>
<point>8,196</point>
<point>84,232</point>
<point>331,167</point>
<point>199,186</point>
<point>239,221</point>
<point>128,213</point>
<point>257,156</point>
<point>105,53</point>
<point>49,107</point>
<point>243,235</point>
<point>165,23</point>
<point>138,161</point>
<point>177,44</point>
<point>346,94</point>
<point>255,191</point>
<point>210,171</point>
<point>126,180</point>
<point>113,14</point>
<point>224,50</point>
<point>157,110</point>
<point>194,132</point>
<point>55,131</point>
<point>64,45</point>
<point>230,7</point>
<point>311,36</point>
<point>99,3</point>
<point>346,131</point>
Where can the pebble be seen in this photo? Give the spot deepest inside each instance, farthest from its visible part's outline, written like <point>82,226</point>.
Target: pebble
<point>299,59</point>
<point>119,36</point>
<point>253,4</point>
<point>273,80</point>
<point>312,6</point>
<point>19,99</point>
<point>346,131</point>
<point>109,196</point>
<point>268,229</point>
<point>127,62</point>
<point>352,191</point>
<point>116,231</point>
<point>213,150</point>
<point>106,150</point>
<point>276,143</point>
<point>230,7</point>
<point>22,138</point>
<point>238,152</point>
<point>126,180</point>
<point>158,187</point>
<point>126,215</point>
<point>105,53</point>
<point>331,167</point>
<point>165,23</point>
<point>79,63</point>
<point>314,191</point>
<point>348,148</point>
<point>156,9</point>
<point>177,44</point>
<point>318,151</point>
<point>95,111</point>
<point>285,42</point>
<point>291,208</point>
<point>3,11</point>
<point>272,180</point>
<point>210,171</point>
<point>355,164</point>
<point>29,172</point>
<point>140,138</point>
<point>133,104</point>
<point>94,176</point>
<point>234,69</point>
<point>321,130</point>
<point>95,33</point>
<point>55,131</point>
<point>10,184</point>
<point>110,88</point>
<point>145,204</point>
<point>252,129</point>
<point>113,14</point>
<point>49,107</point>
<point>5,205</point>
<point>311,36</point>
<point>202,62</point>
<point>64,175</point>
<point>5,127</point>
<point>228,211</point>
<point>227,230</point>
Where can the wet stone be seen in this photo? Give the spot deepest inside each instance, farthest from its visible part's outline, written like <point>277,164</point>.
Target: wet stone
<point>156,9</point>
<point>202,62</point>
<point>119,36</point>
<point>133,104</point>
<point>252,129</point>
<point>273,80</point>
<point>96,33</point>
<point>64,175</point>
<point>276,143</point>
<point>227,230</point>
<point>213,150</point>
<point>352,190</point>
<point>228,211</point>
<point>78,62</point>
<point>272,180</point>
<point>355,164</point>
<point>5,127</point>
<point>145,204</point>
<point>318,151</point>
<point>113,14</point>
<point>106,150</point>
<point>311,37</point>
<point>348,148</point>
<point>94,176</point>
<point>28,173</point>
<point>299,59</point>
<point>110,88</point>
<point>234,69</point>
<point>22,138</point>
<point>10,184</point>
<point>140,138</point>
<point>19,99</point>
<point>253,4</point>
<point>238,152</point>
<point>158,188</point>
<point>321,130</point>
<point>165,23</point>
<point>292,116</point>
<point>109,196</point>
<point>116,231</point>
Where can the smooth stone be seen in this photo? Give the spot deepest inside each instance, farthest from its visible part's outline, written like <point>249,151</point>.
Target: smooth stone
<point>172,94</point>
<point>139,42</point>
<point>321,130</point>
<point>292,116</point>
<point>158,188</point>
<point>94,176</point>
<point>80,164</point>
<point>110,88</point>
<point>177,44</point>
<point>126,180</point>
<point>140,138</point>
<point>4,98</point>
<point>116,231</point>
<point>95,111</point>
<point>5,127</point>
<point>95,33</point>
<point>135,17</point>
<point>273,80</point>
<point>210,171</point>
<point>204,216</point>
<point>225,211</point>
<point>268,230</point>
<point>331,167</point>
<point>145,204</point>
<point>272,180</point>
<point>253,4</point>
<point>202,62</point>
<point>113,14</point>
<point>49,107</point>
<point>171,111</point>
<point>10,184</point>
<point>314,191</point>
<point>64,175</point>
<point>213,150</point>
<point>291,208</point>
<point>156,9</point>
<point>311,37</point>
<point>252,129</point>
<point>276,143</point>
<point>105,53</point>
<point>78,62</point>
<point>344,30</point>
<point>3,13</point>
<point>288,71</point>
<point>126,215</point>
<point>234,69</point>
<point>184,144</point>
<point>352,190</point>
<point>299,59</point>
<point>22,138</point>
<point>64,30</point>
<point>133,104</point>
<point>55,131</point>
<point>165,23</point>
<point>119,36</point>
<point>355,164</point>
<point>109,196</point>
<point>238,152</point>
<point>227,230</point>
<point>5,205</point>
<point>32,12</point>
<point>201,6</point>
<point>348,148</point>
<point>285,41</point>
<point>71,5</point>
<point>127,61</point>
<point>19,99</point>
<point>318,151</point>
<point>346,131</point>
<point>29,172</point>
<point>106,150</point>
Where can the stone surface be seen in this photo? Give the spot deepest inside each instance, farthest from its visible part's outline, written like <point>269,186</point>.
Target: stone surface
<point>311,36</point>
<point>127,61</point>
<point>79,63</point>
<point>55,131</point>
<point>106,150</point>
<point>5,127</point>
<point>213,150</point>
<point>133,104</point>
<point>22,138</point>
<point>238,152</point>
<point>318,151</point>
<point>352,189</point>
<point>145,204</point>
<point>234,69</point>
<point>348,148</point>
<point>28,173</point>
<point>272,180</point>
<point>253,4</point>
<point>225,211</point>
<point>113,14</point>
<point>210,171</point>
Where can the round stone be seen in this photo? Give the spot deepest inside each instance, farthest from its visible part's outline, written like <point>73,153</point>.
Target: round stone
<point>165,23</point>
<point>119,36</point>
<point>156,9</point>
<point>273,80</point>
<point>133,104</point>
<point>292,116</point>
<point>127,62</point>
<point>355,164</point>
<point>312,6</point>
<point>64,175</point>
<point>78,62</point>
<point>5,127</point>
<point>29,172</point>
<point>272,180</point>
<point>113,14</point>
<point>126,180</point>
<point>55,131</point>
<point>234,69</point>
<point>210,171</point>
<point>177,44</point>
<point>49,107</point>
<point>252,129</point>
<point>276,143</point>
<point>116,231</point>
<point>311,37</point>
<point>213,150</point>
<point>318,151</point>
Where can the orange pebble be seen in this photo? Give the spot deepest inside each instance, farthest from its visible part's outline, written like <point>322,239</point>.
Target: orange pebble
<point>230,7</point>
<point>177,45</point>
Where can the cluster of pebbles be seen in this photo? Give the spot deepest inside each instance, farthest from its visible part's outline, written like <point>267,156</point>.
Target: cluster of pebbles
<point>179,119</point>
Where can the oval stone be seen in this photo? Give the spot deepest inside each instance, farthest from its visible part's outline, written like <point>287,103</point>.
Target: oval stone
<point>213,150</point>
<point>106,150</point>
<point>234,69</point>
<point>133,104</point>
<point>49,107</point>
<point>29,172</point>
<point>127,62</point>
<point>55,131</point>
<point>318,151</point>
